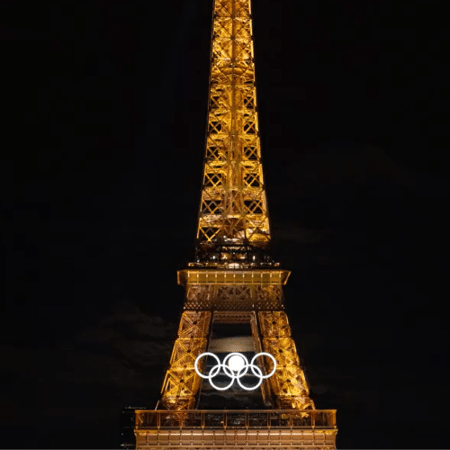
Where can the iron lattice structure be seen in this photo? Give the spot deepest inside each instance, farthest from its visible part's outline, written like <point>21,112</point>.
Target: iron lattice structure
<point>233,279</point>
<point>271,333</point>
<point>233,208</point>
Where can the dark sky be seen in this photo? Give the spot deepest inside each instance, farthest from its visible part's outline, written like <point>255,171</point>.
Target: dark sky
<point>105,108</point>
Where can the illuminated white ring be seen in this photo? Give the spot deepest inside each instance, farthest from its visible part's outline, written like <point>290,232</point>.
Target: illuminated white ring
<point>207,377</point>
<point>252,364</point>
<point>223,388</point>
<point>214,371</point>
<point>260,375</point>
<point>228,372</point>
<point>231,373</point>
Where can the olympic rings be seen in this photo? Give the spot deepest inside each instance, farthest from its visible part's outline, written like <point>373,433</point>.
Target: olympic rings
<point>235,373</point>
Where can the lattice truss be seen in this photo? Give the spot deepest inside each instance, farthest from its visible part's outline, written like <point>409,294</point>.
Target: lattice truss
<point>233,201</point>
<point>237,297</point>
<point>288,383</point>
<point>181,383</point>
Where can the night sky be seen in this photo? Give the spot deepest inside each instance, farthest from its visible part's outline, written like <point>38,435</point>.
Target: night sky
<point>105,107</point>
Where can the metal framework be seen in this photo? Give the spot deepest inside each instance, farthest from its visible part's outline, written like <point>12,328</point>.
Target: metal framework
<point>271,333</point>
<point>233,279</point>
<point>250,429</point>
<point>233,206</point>
<point>181,383</point>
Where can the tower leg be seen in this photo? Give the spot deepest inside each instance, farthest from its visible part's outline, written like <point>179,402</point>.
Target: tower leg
<point>181,383</point>
<point>288,383</point>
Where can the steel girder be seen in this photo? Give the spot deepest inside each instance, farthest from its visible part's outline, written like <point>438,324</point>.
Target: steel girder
<point>181,383</point>
<point>233,201</point>
<point>289,382</point>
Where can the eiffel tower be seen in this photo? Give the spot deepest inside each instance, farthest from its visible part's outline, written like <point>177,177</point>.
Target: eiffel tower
<point>234,308</point>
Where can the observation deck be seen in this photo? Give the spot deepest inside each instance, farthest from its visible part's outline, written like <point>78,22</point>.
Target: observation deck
<point>250,429</point>
<point>247,277</point>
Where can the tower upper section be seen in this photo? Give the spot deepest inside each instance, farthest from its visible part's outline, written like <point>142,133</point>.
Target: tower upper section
<point>233,224</point>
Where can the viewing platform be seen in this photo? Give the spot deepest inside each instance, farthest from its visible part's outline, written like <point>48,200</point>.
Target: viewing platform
<point>250,429</point>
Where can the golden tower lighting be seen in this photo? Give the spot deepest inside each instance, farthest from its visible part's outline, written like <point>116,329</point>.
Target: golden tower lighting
<point>234,290</point>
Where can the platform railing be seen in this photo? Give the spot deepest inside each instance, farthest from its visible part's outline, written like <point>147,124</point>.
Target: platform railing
<point>236,419</point>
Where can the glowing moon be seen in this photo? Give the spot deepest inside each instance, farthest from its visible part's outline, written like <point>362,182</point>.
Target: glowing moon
<point>236,363</point>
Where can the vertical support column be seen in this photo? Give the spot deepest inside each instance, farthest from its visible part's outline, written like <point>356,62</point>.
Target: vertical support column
<point>181,383</point>
<point>233,200</point>
<point>265,386</point>
<point>288,383</point>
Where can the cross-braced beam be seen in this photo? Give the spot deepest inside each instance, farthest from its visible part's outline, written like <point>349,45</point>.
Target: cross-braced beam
<point>233,201</point>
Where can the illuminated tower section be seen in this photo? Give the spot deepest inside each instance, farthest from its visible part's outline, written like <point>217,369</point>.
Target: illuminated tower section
<point>233,203</point>
<point>234,290</point>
